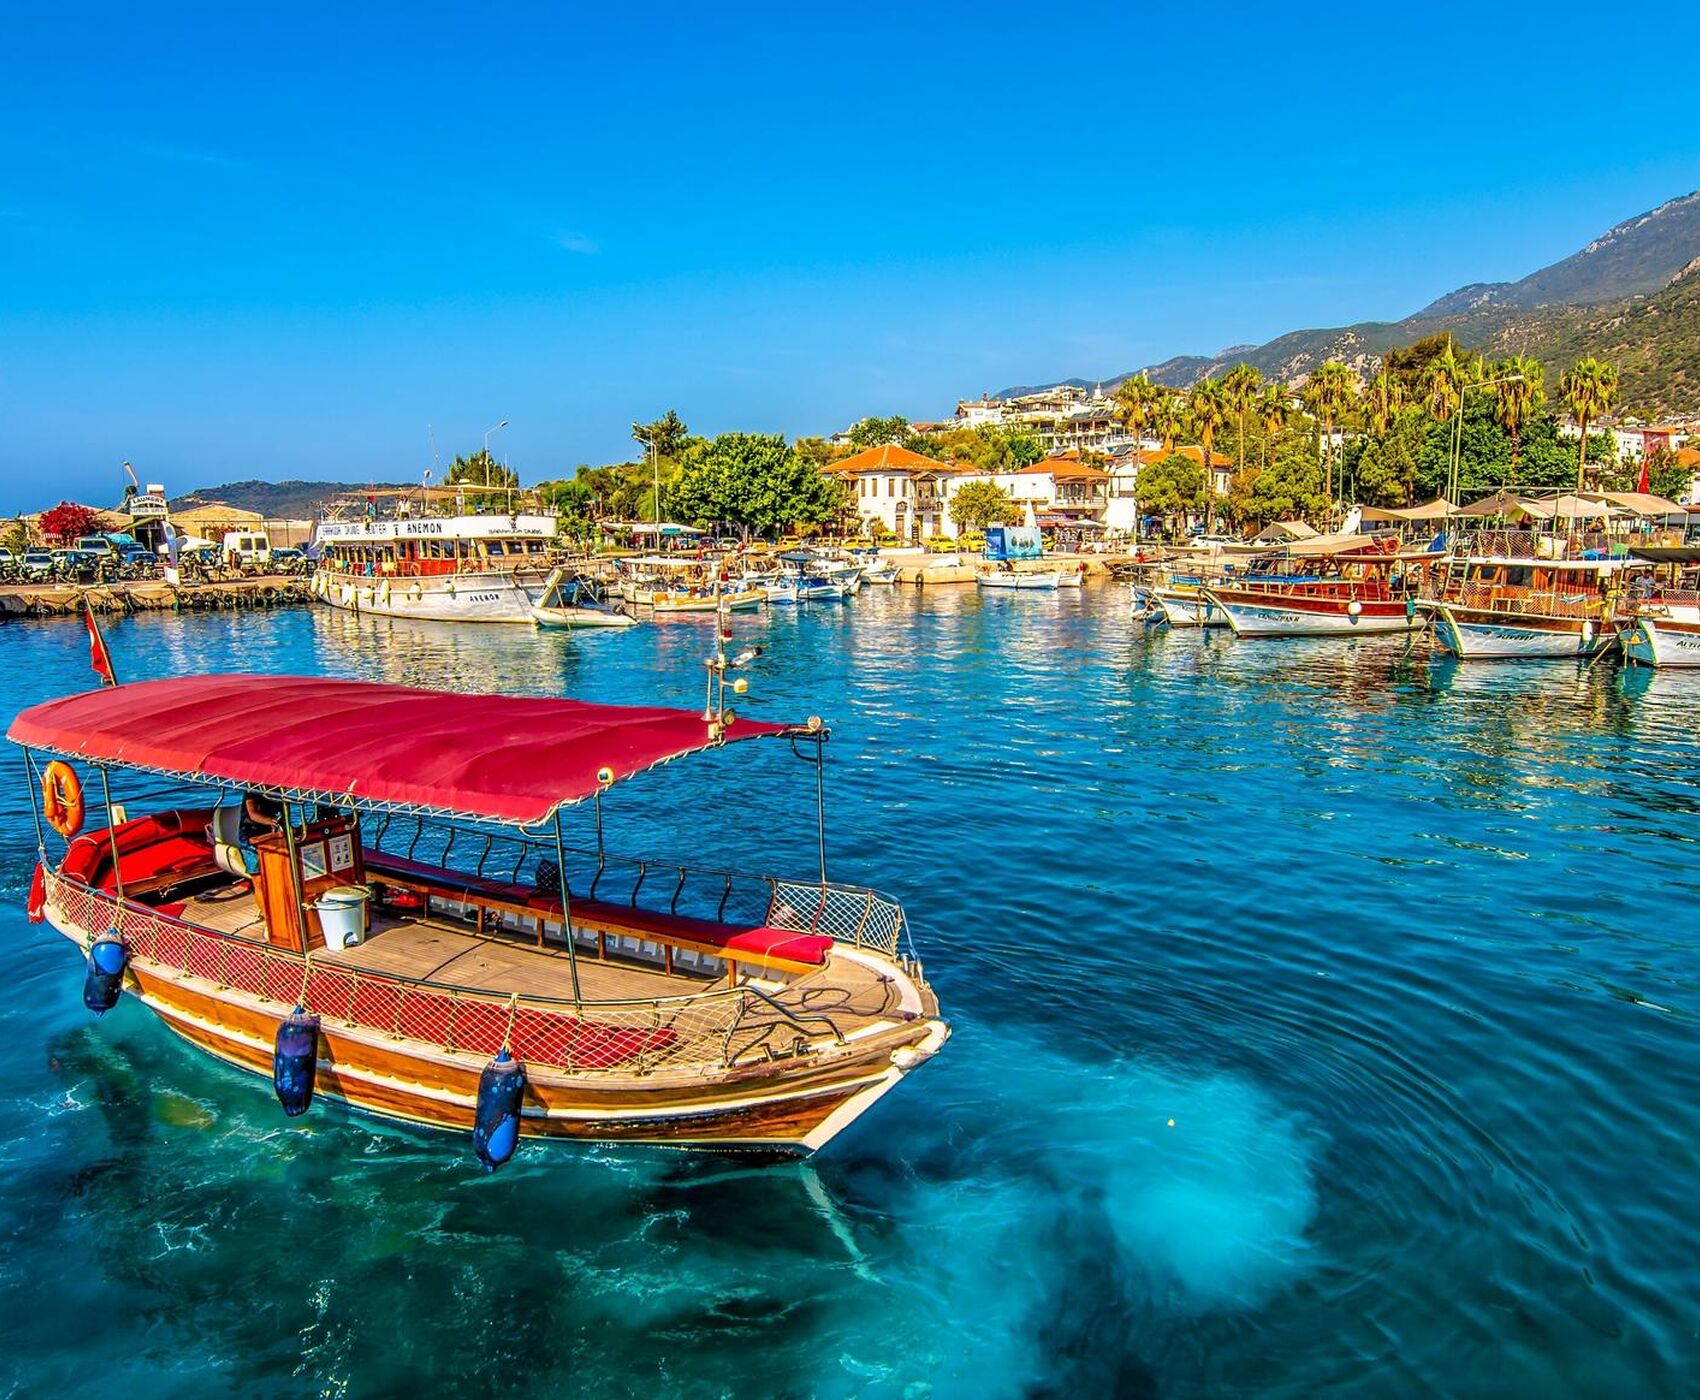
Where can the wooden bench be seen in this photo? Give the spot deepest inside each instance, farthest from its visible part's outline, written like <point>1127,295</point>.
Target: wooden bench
<point>758,945</point>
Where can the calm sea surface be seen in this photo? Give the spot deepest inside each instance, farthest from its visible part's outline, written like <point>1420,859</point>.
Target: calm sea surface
<point>1325,1024</point>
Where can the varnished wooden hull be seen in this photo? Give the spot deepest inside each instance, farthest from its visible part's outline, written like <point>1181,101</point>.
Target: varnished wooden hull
<point>790,1106</point>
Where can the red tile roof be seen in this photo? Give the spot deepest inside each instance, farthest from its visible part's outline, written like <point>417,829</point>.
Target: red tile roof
<point>887,457</point>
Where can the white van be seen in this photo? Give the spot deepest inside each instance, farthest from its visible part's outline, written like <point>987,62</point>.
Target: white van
<point>243,547</point>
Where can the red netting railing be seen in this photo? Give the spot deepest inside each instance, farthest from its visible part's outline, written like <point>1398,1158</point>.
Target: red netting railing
<point>674,1033</point>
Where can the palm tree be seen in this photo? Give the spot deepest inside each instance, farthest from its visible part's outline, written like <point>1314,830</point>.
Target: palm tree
<point>1518,391</point>
<point>1589,388</point>
<point>1135,398</point>
<point>1240,386</point>
<point>1274,410</point>
<point>1384,401</point>
<point>1207,411</point>
<point>1165,414</point>
<point>1330,393</point>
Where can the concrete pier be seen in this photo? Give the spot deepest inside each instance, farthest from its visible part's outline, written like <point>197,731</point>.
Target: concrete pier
<point>151,595</point>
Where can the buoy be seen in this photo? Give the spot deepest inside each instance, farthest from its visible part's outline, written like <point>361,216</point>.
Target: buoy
<point>1354,608</point>
<point>295,1061</point>
<point>103,983</point>
<point>495,1126</point>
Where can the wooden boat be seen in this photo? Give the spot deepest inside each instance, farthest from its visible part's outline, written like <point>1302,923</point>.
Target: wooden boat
<point>696,601</point>
<point>1505,607</point>
<point>1349,586</point>
<point>1184,605</point>
<point>1658,616</point>
<point>1329,609</point>
<point>642,1000</point>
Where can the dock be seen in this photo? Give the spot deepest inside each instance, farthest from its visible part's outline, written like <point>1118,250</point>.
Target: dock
<point>152,595</point>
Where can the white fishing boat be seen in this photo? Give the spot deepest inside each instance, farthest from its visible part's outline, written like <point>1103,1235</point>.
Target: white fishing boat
<point>882,573</point>
<point>1035,582</point>
<point>1184,605</point>
<point>459,568</point>
<point>575,603</point>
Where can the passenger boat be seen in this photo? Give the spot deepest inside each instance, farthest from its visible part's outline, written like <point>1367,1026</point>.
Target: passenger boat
<point>577,602</point>
<point>1350,586</point>
<point>369,897</point>
<point>1658,620</point>
<point>459,568</point>
<point>1502,606</point>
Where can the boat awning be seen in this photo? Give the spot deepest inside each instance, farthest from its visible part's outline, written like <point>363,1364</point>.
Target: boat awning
<point>500,758</point>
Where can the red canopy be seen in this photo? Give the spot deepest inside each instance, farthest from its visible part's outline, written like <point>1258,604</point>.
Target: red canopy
<point>498,757</point>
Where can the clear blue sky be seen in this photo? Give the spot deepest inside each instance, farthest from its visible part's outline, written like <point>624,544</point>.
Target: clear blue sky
<point>241,243</point>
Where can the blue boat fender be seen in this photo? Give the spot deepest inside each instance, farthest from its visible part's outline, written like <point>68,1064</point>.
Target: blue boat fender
<point>103,983</point>
<point>295,1061</point>
<point>495,1126</point>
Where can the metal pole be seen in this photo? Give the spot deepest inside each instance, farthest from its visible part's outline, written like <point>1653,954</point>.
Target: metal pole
<point>294,873</point>
<point>112,834</point>
<point>820,801</point>
<point>30,782</point>
<point>567,903</point>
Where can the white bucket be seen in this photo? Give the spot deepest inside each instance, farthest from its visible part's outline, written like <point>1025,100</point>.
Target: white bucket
<point>342,915</point>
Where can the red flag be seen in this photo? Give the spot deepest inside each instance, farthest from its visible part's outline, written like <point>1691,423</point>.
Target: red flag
<point>1645,484</point>
<point>99,657</point>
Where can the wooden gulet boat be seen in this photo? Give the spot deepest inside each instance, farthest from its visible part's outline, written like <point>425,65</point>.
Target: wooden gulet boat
<point>1507,607</point>
<point>378,906</point>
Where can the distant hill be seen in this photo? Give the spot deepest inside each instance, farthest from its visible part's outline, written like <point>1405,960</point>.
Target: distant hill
<point>1632,295</point>
<point>276,500</point>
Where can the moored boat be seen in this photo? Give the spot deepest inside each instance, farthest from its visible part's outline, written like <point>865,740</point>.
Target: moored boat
<point>1048,581</point>
<point>456,568</point>
<point>372,900</point>
<point>1510,607</point>
<point>571,604</point>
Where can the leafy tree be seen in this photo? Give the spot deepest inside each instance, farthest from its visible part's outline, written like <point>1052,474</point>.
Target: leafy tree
<point>16,537</point>
<point>877,432</point>
<point>1386,468</point>
<point>1167,415</point>
<point>1518,393</point>
<point>977,504</point>
<point>1588,388</point>
<point>1207,413</point>
<point>574,502</point>
<point>1289,488</point>
<point>481,469</point>
<point>986,448</point>
<point>1384,399</point>
<point>754,481</point>
<point>668,434</point>
<point>1172,485</point>
<point>1410,364</point>
<point>67,520</point>
<point>1240,387</point>
<point>1666,476</point>
<point>1135,397</point>
<point>1330,393</point>
<point>1274,411</point>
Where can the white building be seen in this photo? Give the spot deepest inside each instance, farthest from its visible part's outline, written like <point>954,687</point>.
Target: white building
<point>900,490</point>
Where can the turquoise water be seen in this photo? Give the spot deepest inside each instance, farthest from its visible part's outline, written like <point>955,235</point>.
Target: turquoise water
<point>1324,1024</point>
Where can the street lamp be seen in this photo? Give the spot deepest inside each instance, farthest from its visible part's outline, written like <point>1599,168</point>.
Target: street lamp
<point>1458,428</point>
<point>655,467</point>
<point>487,434</point>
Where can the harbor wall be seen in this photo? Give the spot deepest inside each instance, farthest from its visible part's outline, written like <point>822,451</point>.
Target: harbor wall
<point>152,595</point>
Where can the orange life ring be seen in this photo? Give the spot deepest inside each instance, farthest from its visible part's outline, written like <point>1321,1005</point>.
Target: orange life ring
<point>62,798</point>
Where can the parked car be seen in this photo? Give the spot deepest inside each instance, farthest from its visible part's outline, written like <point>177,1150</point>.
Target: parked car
<point>38,563</point>
<point>288,560</point>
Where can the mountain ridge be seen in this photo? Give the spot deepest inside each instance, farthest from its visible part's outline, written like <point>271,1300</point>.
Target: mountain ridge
<point>1628,276</point>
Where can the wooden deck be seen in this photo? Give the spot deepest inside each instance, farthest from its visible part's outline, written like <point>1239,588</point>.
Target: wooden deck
<point>439,950</point>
